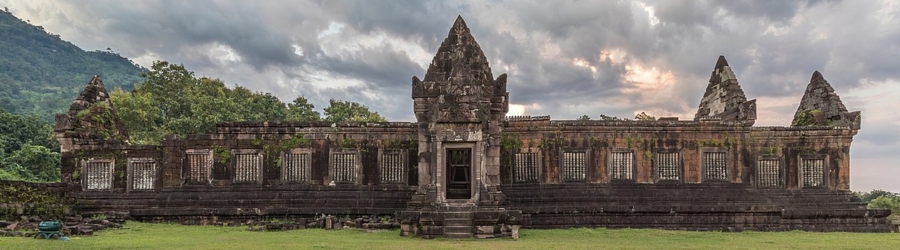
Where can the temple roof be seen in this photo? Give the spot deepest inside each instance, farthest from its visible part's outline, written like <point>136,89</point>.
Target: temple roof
<point>821,106</point>
<point>459,54</point>
<point>723,96</point>
<point>92,115</point>
<point>461,77</point>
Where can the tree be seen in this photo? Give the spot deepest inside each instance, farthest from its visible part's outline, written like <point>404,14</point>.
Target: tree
<point>17,130</point>
<point>172,101</point>
<point>882,200</point>
<point>338,111</point>
<point>584,118</point>
<point>28,150</point>
<point>301,110</point>
<point>34,163</point>
<point>644,117</point>
<point>869,196</point>
<point>140,115</point>
<point>610,118</point>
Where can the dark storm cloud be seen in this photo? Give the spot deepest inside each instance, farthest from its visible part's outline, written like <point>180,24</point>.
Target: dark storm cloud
<point>771,45</point>
<point>775,10</point>
<point>426,21</point>
<point>170,27</point>
<point>380,64</point>
<point>366,51</point>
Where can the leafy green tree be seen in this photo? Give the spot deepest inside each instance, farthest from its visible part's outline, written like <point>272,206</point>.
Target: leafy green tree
<point>17,130</point>
<point>172,101</point>
<point>301,110</point>
<point>644,117</point>
<point>869,196</point>
<point>882,200</point>
<point>28,150</point>
<point>584,118</point>
<point>142,118</point>
<point>610,118</point>
<point>338,111</point>
<point>34,163</point>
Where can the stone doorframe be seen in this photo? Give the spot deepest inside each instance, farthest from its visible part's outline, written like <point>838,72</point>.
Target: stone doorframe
<point>476,170</point>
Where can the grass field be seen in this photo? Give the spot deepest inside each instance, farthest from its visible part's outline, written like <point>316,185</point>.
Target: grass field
<point>137,235</point>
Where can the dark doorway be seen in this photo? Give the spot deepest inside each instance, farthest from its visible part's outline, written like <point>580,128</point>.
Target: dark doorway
<point>459,168</point>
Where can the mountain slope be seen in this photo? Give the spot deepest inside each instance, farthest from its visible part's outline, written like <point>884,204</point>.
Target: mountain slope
<point>40,74</point>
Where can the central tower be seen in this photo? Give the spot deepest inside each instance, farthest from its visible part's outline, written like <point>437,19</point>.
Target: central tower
<point>459,109</point>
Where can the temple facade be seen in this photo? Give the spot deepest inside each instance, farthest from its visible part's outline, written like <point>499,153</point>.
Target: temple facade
<point>465,169</point>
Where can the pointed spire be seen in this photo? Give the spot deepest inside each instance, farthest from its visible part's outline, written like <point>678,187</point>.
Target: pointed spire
<point>458,52</point>
<point>96,81</point>
<point>459,23</point>
<point>821,106</point>
<point>817,77</point>
<point>724,99</point>
<point>721,63</point>
<point>93,112</point>
<point>460,74</point>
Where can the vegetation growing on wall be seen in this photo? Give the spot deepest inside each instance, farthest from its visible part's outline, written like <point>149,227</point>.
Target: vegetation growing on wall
<point>644,117</point>
<point>222,154</point>
<point>806,118</point>
<point>510,141</point>
<point>119,169</point>
<point>346,142</point>
<point>31,202</point>
<point>98,119</point>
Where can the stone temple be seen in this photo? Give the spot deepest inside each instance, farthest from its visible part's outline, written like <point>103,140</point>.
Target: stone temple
<point>465,169</point>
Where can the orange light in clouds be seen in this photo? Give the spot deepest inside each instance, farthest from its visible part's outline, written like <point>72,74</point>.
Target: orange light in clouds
<point>614,56</point>
<point>581,62</point>
<point>647,79</point>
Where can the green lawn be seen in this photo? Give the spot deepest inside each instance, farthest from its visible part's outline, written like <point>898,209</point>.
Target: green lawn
<point>137,235</point>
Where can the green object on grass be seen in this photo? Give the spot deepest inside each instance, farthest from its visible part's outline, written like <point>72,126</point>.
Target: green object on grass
<point>48,229</point>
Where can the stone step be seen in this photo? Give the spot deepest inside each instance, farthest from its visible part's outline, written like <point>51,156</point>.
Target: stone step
<point>461,207</point>
<point>458,222</point>
<point>458,235</point>
<point>459,229</point>
<point>457,215</point>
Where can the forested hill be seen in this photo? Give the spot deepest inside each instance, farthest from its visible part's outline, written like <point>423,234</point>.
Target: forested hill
<point>40,74</point>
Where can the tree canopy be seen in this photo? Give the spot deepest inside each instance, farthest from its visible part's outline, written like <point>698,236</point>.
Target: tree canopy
<point>350,111</point>
<point>28,150</point>
<point>883,200</point>
<point>171,100</point>
<point>41,74</point>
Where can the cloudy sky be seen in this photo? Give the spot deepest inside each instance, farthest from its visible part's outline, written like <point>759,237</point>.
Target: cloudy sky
<point>564,59</point>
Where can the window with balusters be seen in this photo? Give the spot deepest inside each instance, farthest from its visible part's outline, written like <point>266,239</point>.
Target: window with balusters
<point>573,166</point>
<point>812,171</point>
<point>247,165</point>
<point>393,167</point>
<point>142,173</point>
<point>296,165</point>
<point>199,165</point>
<point>343,167</point>
<point>526,167</point>
<point>667,166</point>
<point>715,165</point>
<point>98,173</point>
<point>621,165</point>
<point>768,172</point>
